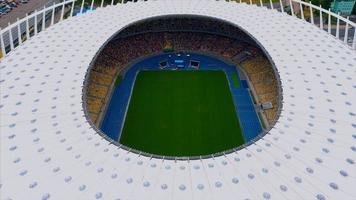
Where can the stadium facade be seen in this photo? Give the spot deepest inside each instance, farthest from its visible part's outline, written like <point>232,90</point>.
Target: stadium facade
<point>51,150</point>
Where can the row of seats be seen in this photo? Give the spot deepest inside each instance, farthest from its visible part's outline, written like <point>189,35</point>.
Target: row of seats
<point>262,77</point>
<point>100,80</point>
<point>121,51</point>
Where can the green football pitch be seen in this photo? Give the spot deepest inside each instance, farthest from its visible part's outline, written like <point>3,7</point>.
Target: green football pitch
<point>181,113</point>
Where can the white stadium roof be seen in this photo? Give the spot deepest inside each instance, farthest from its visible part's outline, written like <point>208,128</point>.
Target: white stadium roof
<point>50,151</point>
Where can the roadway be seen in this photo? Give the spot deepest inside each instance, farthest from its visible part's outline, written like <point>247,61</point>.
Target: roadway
<point>21,10</point>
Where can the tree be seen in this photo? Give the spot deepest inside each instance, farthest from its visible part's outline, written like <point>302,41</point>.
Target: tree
<point>324,3</point>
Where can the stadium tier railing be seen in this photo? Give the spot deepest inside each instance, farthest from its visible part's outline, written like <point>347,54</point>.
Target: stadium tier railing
<point>24,29</point>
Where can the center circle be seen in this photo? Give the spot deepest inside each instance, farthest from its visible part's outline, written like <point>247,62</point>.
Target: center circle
<point>182,87</point>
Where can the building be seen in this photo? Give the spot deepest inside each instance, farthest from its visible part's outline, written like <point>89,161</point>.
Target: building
<point>49,149</point>
<point>344,7</point>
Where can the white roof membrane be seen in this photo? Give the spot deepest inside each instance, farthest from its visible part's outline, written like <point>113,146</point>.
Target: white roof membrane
<point>50,151</point>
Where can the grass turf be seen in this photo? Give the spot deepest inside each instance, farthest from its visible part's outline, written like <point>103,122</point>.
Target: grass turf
<point>181,113</point>
<point>235,80</point>
<point>118,80</point>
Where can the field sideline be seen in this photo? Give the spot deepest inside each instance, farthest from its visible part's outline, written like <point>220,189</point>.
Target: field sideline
<point>181,113</point>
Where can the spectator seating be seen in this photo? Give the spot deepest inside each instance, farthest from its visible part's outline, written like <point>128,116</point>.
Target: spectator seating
<point>263,80</point>
<point>119,52</point>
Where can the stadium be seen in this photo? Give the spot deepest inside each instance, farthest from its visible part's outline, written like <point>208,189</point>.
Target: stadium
<point>188,47</point>
<point>178,99</point>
